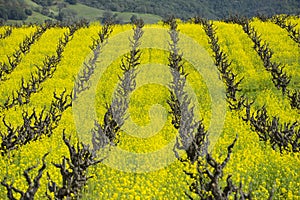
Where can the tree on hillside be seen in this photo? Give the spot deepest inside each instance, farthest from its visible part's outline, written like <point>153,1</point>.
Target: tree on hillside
<point>60,6</point>
<point>44,2</point>
<point>67,15</point>
<point>133,18</point>
<point>14,9</point>
<point>72,2</point>
<point>110,16</point>
<point>3,13</point>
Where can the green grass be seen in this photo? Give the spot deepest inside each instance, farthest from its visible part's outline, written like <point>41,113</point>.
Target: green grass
<point>31,3</point>
<point>93,14</point>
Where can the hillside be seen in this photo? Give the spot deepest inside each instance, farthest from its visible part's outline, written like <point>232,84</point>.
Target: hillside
<point>63,11</point>
<point>150,10</point>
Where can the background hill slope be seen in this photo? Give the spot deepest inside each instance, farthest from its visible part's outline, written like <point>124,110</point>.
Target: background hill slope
<point>12,11</point>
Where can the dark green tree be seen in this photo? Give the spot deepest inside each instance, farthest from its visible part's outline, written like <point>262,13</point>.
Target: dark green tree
<point>133,19</point>
<point>72,2</point>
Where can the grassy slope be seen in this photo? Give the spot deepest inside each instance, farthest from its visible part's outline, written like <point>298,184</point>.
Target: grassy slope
<point>84,11</point>
<point>94,14</point>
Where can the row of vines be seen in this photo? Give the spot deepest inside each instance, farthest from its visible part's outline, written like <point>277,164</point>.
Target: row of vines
<point>75,99</point>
